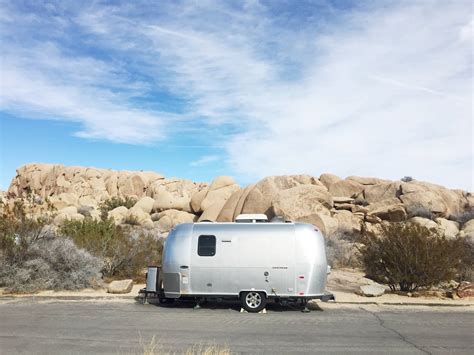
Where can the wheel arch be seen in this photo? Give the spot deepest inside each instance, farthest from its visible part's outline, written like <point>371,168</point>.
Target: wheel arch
<point>253,290</point>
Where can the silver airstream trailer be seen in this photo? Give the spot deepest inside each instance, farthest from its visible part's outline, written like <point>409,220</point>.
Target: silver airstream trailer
<point>252,259</point>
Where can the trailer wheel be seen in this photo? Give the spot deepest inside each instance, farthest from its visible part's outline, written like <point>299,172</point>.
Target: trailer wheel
<point>253,301</point>
<point>164,300</point>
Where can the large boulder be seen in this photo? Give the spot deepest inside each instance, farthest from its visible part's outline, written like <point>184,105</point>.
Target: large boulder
<point>305,203</point>
<point>446,202</point>
<point>242,199</point>
<point>87,201</point>
<point>348,222</point>
<point>220,182</point>
<point>173,193</point>
<point>227,212</point>
<point>382,191</point>
<point>212,212</point>
<point>424,204</point>
<point>325,223</point>
<point>219,192</point>
<point>166,220</point>
<point>308,180</point>
<point>372,290</point>
<point>345,188</point>
<point>51,180</point>
<point>468,229</point>
<point>131,184</point>
<point>165,200</point>
<point>425,222</point>
<point>118,214</point>
<point>390,209</point>
<point>136,215</point>
<point>111,182</point>
<point>122,286</point>
<point>197,198</point>
<point>366,180</point>
<point>261,197</point>
<point>145,203</point>
<point>329,179</point>
<point>302,199</point>
<point>450,229</point>
<point>69,198</point>
<point>67,214</point>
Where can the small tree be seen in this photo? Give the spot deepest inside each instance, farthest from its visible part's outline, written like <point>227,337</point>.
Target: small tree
<point>409,256</point>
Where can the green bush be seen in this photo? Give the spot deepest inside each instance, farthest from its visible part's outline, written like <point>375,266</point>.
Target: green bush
<point>114,202</point>
<point>409,256</point>
<point>125,251</point>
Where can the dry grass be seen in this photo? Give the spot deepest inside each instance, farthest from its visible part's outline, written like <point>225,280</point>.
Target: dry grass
<point>154,347</point>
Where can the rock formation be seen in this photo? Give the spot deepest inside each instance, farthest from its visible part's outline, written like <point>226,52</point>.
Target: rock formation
<point>331,203</point>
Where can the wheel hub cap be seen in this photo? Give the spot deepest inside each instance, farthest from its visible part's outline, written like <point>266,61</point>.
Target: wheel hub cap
<point>253,299</point>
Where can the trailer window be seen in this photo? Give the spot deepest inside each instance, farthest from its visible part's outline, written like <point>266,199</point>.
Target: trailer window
<point>207,245</point>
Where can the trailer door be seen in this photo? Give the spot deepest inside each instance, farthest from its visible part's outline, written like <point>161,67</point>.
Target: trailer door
<point>203,256</point>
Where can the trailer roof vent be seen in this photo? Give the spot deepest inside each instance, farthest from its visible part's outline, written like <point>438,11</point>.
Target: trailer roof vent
<point>251,218</point>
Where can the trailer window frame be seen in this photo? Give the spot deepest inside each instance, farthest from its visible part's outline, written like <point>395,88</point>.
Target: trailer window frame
<point>208,250</point>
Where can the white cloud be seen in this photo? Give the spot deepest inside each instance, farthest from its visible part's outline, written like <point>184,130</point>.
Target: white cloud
<point>204,160</point>
<point>383,91</point>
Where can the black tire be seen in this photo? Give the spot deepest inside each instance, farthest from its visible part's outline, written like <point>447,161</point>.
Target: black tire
<point>253,301</point>
<point>164,300</point>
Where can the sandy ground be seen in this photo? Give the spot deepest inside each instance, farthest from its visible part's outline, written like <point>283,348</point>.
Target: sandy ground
<point>342,283</point>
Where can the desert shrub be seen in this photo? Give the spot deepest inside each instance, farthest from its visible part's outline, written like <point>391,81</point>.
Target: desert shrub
<point>33,258</point>
<point>131,220</point>
<point>18,231</point>
<point>158,347</point>
<point>406,179</point>
<point>114,202</point>
<point>125,251</point>
<point>341,250</point>
<point>466,268</point>
<point>409,256</point>
<point>50,263</point>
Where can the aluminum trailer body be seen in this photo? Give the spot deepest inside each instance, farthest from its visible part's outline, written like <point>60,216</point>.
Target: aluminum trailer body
<point>275,260</point>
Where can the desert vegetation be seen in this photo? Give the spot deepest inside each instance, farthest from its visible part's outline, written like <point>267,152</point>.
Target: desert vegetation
<point>408,256</point>
<point>124,251</point>
<point>112,203</point>
<point>35,255</point>
<point>118,218</point>
<point>342,251</point>
<point>155,347</point>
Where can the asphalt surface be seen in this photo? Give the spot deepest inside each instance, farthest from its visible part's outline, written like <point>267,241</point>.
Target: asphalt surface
<point>125,327</point>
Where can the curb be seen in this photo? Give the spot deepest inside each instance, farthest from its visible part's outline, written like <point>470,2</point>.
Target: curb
<point>135,298</point>
<point>428,304</point>
<point>67,298</point>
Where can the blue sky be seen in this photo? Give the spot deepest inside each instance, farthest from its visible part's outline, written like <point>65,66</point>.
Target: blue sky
<point>196,89</point>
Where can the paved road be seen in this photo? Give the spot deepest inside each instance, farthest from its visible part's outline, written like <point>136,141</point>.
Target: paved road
<point>67,327</point>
